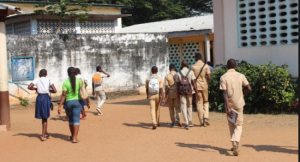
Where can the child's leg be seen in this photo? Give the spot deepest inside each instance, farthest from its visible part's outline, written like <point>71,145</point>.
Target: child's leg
<point>44,127</point>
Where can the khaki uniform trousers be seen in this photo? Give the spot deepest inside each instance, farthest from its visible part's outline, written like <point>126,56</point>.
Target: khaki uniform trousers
<point>174,103</point>
<point>186,107</point>
<point>236,129</point>
<point>203,106</point>
<point>154,108</point>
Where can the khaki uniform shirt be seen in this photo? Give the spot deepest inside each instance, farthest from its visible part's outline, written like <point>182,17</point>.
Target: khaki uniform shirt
<point>234,82</point>
<point>190,77</point>
<point>171,84</point>
<point>202,79</point>
<point>160,85</point>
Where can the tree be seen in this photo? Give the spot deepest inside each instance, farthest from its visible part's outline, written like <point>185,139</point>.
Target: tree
<point>61,9</point>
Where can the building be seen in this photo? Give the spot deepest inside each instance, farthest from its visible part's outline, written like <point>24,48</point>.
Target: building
<point>5,10</point>
<point>185,37</point>
<point>103,18</point>
<point>257,31</point>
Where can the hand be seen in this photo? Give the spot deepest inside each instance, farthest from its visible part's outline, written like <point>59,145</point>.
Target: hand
<point>59,110</point>
<point>198,96</point>
<point>88,105</point>
<point>229,113</point>
<point>108,75</point>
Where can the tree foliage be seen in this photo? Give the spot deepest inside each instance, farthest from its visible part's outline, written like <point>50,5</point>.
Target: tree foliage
<point>61,9</point>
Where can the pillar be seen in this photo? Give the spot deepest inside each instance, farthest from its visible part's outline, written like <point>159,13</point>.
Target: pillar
<point>4,100</point>
<point>207,47</point>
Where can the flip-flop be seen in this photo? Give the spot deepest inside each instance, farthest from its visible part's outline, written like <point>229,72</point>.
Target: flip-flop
<point>47,135</point>
<point>43,138</point>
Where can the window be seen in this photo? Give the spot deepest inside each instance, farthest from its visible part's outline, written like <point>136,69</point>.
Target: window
<point>267,22</point>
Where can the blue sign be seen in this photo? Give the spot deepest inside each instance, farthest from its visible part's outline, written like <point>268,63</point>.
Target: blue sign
<point>22,68</point>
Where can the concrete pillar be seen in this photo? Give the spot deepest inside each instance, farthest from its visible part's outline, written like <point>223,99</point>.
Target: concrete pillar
<point>33,23</point>
<point>4,100</point>
<point>207,48</point>
<point>201,49</point>
<point>181,50</point>
<point>77,27</point>
<point>219,32</point>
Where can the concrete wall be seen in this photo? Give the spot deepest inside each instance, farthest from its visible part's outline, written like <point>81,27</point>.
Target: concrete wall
<point>126,57</point>
<point>227,35</point>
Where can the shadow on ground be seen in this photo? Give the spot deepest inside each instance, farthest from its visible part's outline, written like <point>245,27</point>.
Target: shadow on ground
<point>272,148</point>
<point>201,147</point>
<point>137,102</point>
<point>52,135</point>
<point>146,125</point>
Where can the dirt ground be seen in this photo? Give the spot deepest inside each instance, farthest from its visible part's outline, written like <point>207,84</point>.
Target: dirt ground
<point>123,134</point>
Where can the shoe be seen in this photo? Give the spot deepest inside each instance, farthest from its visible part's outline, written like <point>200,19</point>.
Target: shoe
<point>47,136</point>
<point>187,127</point>
<point>83,118</point>
<point>154,126</point>
<point>202,125</point>
<point>99,111</point>
<point>231,149</point>
<point>178,123</point>
<point>206,123</point>
<point>173,125</point>
<point>191,124</point>
<point>236,152</point>
<point>43,138</point>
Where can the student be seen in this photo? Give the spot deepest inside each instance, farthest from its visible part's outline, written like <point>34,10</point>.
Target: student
<point>98,88</point>
<point>82,102</point>
<point>43,102</point>
<point>71,89</point>
<point>202,73</point>
<point>186,97</point>
<point>154,90</point>
<point>172,97</point>
<point>232,84</point>
<point>210,66</point>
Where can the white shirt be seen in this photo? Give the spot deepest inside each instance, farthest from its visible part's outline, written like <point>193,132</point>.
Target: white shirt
<point>42,84</point>
<point>81,77</point>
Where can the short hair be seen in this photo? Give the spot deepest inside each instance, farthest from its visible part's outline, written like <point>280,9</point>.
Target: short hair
<point>43,72</point>
<point>172,66</point>
<point>98,68</point>
<point>198,56</point>
<point>77,70</point>
<point>154,70</point>
<point>185,63</point>
<point>231,63</point>
<point>209,63</point>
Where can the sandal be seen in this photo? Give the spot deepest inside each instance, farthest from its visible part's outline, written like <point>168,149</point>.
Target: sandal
<point>47,136</point>
<point>43,138</point>
<point>76,141</point>
<point>70,138</point>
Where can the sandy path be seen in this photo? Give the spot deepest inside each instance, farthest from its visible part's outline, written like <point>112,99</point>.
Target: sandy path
<point>123,133</point>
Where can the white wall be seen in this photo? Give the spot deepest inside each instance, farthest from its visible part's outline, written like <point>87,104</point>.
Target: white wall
<point>255,55</point>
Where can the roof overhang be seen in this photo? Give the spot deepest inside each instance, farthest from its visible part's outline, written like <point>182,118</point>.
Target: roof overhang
<point>71,4</point>
<point>6,10</point>
<point>188,33</point>
<point>91,16</point>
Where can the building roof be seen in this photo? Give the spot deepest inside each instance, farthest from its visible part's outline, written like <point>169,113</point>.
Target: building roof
<point>10,9</point>
<point>41,2</point>
<point>196,23</point>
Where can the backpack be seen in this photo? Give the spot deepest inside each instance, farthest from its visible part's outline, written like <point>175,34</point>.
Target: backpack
<point>97,79</point>
<point>153,85</point>
<point>184,85</point>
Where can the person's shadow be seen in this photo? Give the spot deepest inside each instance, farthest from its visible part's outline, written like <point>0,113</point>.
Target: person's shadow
<point>273,148</point>
<point>145,125</point>
<point>52,135</point>
<point>202,147</point>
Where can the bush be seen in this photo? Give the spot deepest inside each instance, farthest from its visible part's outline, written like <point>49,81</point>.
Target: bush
<point>273,89</point>
<point>24,101</point>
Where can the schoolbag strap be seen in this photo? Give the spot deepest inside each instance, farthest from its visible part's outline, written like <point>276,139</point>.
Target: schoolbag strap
<point>200,71</point>
<point>181,74</point>
<point>188,73</point>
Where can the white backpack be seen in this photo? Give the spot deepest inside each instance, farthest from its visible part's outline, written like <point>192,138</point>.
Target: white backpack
<point>153,85</point>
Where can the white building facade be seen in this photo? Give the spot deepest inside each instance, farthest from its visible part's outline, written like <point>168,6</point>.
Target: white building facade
<point>257,31</point>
